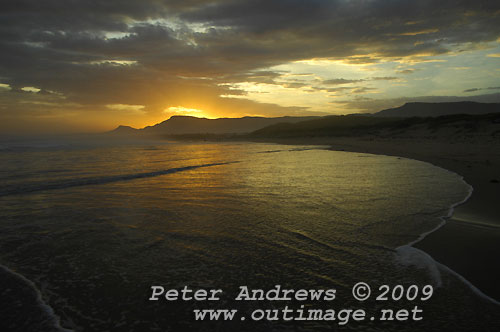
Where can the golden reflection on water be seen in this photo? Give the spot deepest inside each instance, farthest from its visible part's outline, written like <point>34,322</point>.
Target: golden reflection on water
<point>278,215</point>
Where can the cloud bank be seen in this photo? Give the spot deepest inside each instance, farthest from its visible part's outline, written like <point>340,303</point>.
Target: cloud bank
<point>72,58</point>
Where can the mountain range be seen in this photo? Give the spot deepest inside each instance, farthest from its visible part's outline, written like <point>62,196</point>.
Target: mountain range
<point>439,109</point>
<point>188,125</point>
<point>181,124</point>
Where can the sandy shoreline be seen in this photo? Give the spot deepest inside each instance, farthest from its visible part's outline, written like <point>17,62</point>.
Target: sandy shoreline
<point>469,242</point>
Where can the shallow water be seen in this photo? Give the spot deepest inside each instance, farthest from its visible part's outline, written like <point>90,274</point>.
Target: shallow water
<point>95,227</point>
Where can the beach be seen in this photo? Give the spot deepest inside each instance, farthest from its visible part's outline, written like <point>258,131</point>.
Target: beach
<point>469,242</point>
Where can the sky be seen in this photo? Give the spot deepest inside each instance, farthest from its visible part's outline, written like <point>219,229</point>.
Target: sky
<point>89,66</point>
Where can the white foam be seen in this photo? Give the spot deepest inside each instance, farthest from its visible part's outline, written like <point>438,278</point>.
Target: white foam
<point>409,255</point>
<point>448,215</point>
<point>41,303</point>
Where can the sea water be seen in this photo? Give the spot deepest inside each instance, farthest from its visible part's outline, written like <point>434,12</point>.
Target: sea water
<point>86,231</point>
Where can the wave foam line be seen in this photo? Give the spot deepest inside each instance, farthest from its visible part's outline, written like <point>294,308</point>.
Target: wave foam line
<point>102,180</point>
<point>408,255</point>
<point>39,299</point>
<point>447,216</point>
<point>418,256</point>
<point>410,259</point>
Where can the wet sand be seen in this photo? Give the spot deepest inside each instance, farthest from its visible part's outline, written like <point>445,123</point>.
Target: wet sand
<point>469,242</point>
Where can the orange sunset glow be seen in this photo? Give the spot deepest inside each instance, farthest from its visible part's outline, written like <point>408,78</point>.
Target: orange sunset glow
<point>249,165</point>
<point>138,67</point>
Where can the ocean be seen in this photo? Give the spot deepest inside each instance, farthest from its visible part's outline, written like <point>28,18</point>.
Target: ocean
<point>86,231</point>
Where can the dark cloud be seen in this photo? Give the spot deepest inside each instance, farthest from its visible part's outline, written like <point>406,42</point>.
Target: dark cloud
<point>371,105</point>
<point>363,90</point>
<point>261,76</point>
<point>335,90</point>
<point>340,81</point>
<point>294,85</point>
<point>159,53</point>
<point>406,71</point>
<point>479,89</point>
<point>384,78</point>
